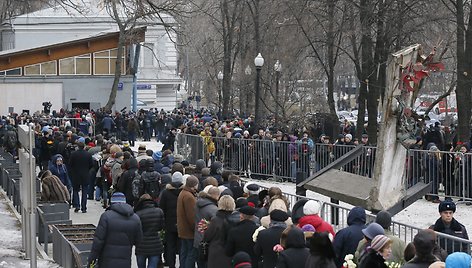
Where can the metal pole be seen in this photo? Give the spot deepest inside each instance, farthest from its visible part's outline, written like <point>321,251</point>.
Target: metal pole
<point>258,93</point>
<point>277,98</point>
<point>135,77</point>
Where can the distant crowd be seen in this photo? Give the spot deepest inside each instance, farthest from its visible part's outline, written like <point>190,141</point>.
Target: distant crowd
<point>203,214</point>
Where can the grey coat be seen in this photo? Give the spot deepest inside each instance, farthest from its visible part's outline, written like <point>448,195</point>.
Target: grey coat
<point>206,208</point>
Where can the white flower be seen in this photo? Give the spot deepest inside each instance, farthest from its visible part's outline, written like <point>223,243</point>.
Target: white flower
<point>349,257</point>
<point>256,233</point>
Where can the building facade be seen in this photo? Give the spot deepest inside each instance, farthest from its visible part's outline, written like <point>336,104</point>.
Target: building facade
<point>157,77</point>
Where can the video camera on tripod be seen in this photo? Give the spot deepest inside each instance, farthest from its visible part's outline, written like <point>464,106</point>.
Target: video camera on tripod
<point>47,107</point>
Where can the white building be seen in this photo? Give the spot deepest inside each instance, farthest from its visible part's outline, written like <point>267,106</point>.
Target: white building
<point>157,75</point>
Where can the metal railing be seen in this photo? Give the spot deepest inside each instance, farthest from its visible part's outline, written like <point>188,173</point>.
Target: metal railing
<point>337,215</point>
<point>449,172</point>
<point>82,125</point>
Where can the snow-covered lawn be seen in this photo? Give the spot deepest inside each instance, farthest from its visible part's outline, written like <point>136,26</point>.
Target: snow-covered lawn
<point>11,252</point>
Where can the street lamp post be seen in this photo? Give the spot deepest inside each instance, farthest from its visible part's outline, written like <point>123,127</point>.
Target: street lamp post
<point>277,69</point>
<point>258,62</point>
<point>220,90</point>
<point>246,108</point>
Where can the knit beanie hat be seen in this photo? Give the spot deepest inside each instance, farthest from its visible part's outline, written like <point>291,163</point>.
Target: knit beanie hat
<point>241,259</point>
<point>177,177</point>
<point>384,219</point>
<point>118,197</point>
<point>191,182</point>
<point>379,242</point>
<point>458,260</point>
<point>311,207</point>
<point>308,228</point>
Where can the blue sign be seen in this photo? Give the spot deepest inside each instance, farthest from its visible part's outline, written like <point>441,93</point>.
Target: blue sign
<point>120,86</point>
<point>143,86</point>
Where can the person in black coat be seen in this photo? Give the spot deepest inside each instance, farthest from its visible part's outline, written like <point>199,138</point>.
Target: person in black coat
<point>240,236</point>
<point>295,252</point>
<point>217,233</point>
<point>80,163</point>
<point>321,252</point>
<point>168,203</point>
<point>126,180</point>
<point>346,240</point>
<point>449,225</point>
<point>119,228</point>
<point>152,221</point>
<point>268,238</point>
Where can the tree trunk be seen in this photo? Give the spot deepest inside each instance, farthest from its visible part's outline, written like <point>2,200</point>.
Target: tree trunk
<point>119,62</point>
<point>331,55</point>
<point>463,73</point>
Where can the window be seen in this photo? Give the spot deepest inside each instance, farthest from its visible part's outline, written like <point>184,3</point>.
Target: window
<point>79,65</point>
<point>45,68</point>
<point>148,54</point>
<point>105,61</point>
<point>11,72</point>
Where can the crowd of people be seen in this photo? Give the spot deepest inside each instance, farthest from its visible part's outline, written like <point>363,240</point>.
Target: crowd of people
<point>203,214</point>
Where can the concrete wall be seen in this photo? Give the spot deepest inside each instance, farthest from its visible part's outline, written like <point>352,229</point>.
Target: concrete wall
<point>62,91</point>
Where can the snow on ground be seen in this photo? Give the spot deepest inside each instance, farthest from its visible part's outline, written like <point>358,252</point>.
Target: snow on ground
<point>421,214</point>
<point>11,252</point>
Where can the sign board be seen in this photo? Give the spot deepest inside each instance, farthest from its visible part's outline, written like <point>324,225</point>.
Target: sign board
<point>120,86</point>
<point>143,86</point>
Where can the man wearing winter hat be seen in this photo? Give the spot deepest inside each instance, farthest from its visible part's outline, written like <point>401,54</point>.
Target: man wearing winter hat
<point>186,221</point>
<point>142,153</point>
<point>251,191</point>
<point>384,218</point>
<point>240,236</point>
<point>449,225</point>
<point>311,209</point>
<point>268,238</point>
<point>117,222</point>
<point>168,204</point>
<point>80,163</point>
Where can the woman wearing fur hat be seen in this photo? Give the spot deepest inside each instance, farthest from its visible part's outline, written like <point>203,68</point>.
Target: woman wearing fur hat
<point>217,233</point>
<point>380,250</point>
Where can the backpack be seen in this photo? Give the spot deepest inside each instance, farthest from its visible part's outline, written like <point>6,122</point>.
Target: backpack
<point>150,182</point>
<point>106,168</point>
<point>11,140</point>
<point>136,185</point>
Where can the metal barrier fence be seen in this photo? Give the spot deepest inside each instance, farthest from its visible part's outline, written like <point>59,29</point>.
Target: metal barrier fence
<point>449,172</point>
<point>85,126</point>
<point>337,215</point>
<point>191,147</point>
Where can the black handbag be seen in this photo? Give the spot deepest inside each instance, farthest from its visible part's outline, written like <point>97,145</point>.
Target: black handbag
<point>203,251</point>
